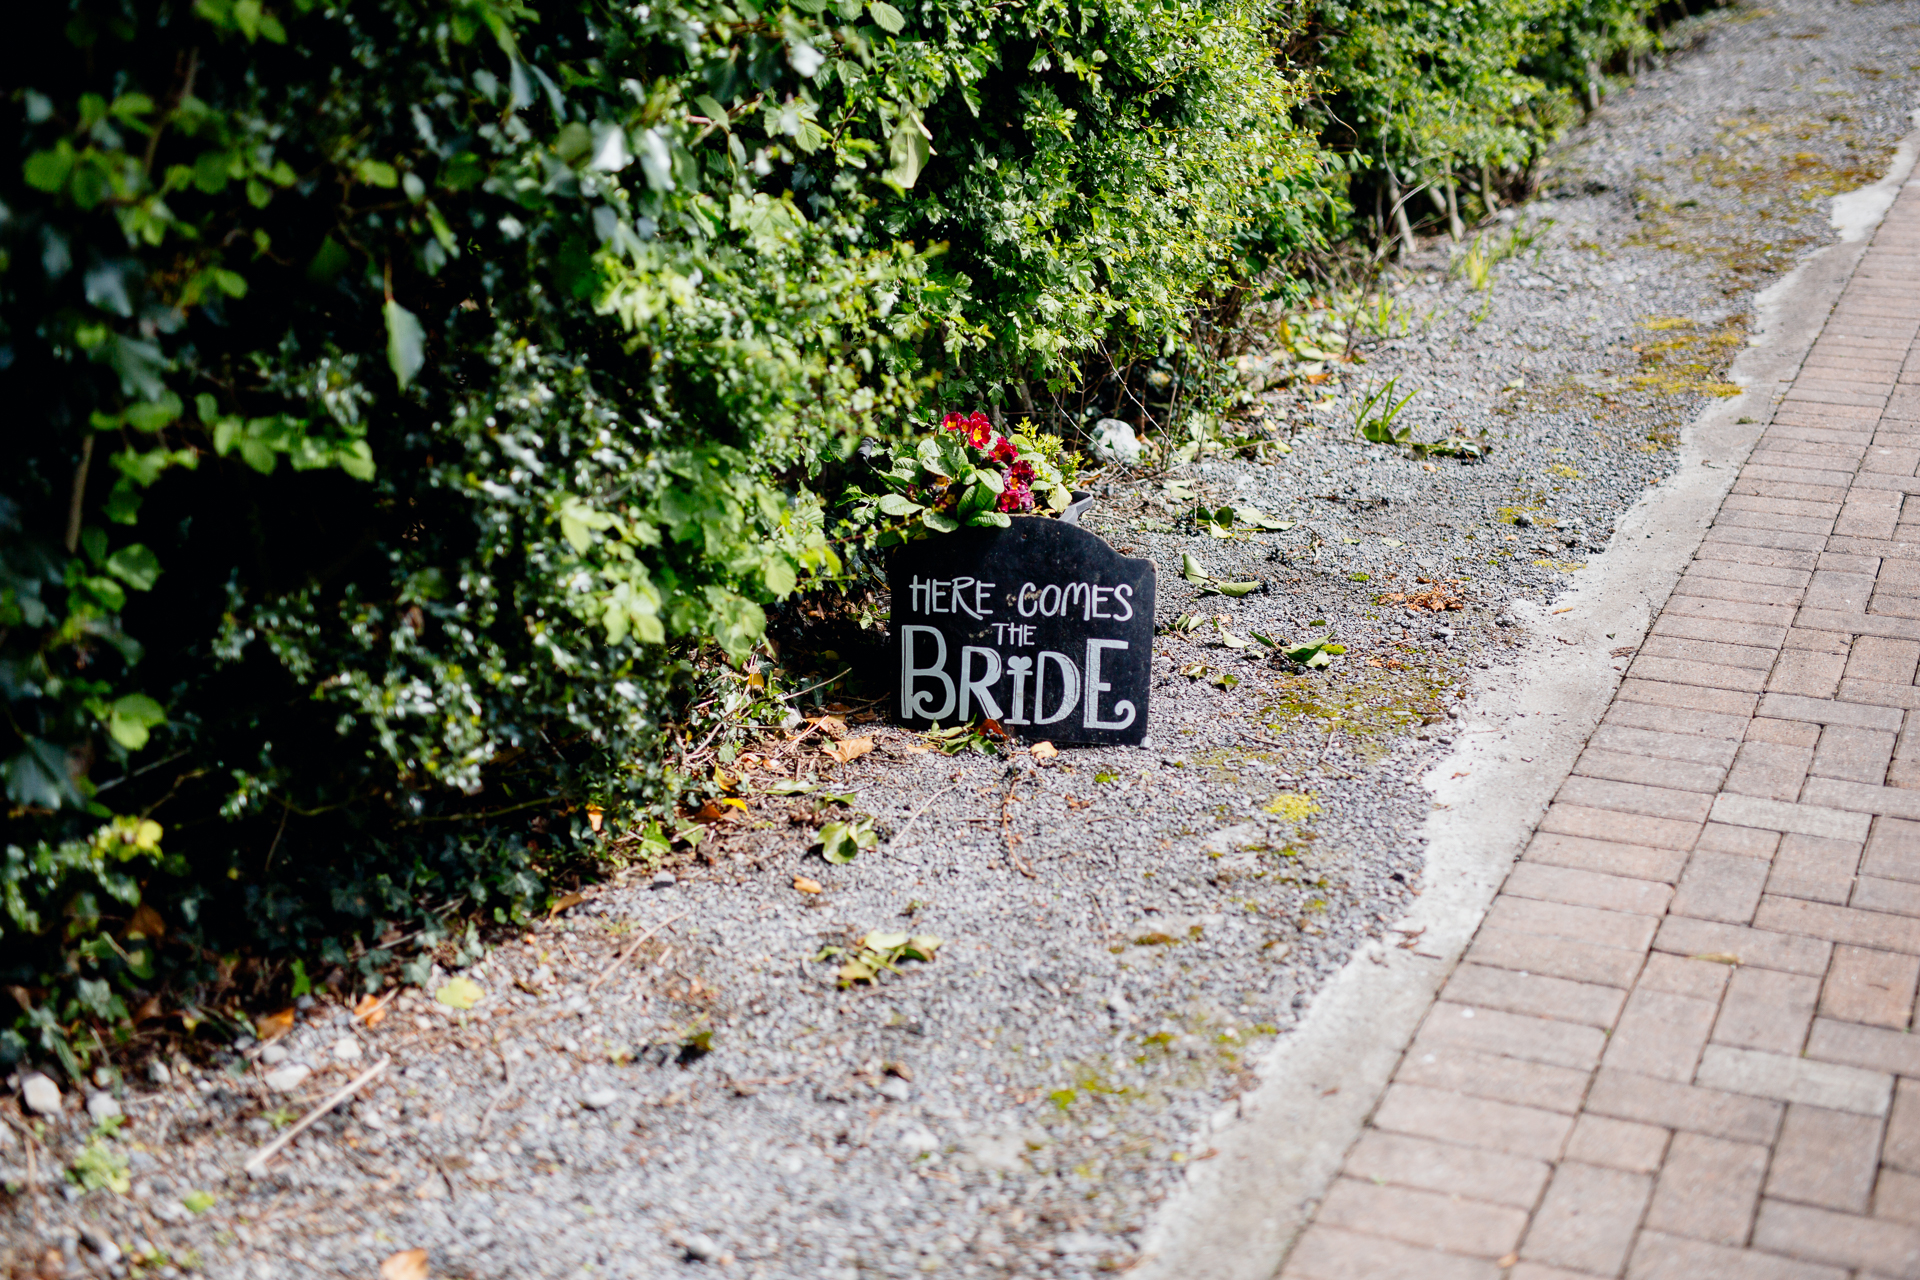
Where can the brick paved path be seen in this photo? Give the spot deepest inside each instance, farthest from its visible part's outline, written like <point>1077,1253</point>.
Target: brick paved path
<point>1678,1047</point>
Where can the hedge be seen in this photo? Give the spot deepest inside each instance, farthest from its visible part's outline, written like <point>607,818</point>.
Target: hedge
<point>413,390</point>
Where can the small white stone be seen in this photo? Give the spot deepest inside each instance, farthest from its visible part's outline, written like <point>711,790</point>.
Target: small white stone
<point>158,1073</point>
<point>40,1094</point>
<point>600,1099</point>
<point>1114,441</point>
<point>274,1054</point>
<point>288,1078</point>
<point>347,1049</point>
<point>101,1107</point>
<point>918,1141</point>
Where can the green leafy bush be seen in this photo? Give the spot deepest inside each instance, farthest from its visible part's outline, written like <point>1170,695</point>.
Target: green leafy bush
<point>414,383</point>
<point>1433,97</point>
<point>412,389</point>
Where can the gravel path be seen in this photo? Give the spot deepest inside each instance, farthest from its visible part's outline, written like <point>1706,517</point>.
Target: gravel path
<point>667,1071</point>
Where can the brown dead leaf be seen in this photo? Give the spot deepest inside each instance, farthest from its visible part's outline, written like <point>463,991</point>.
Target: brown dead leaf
<point>370,1010</point>
<point>832,726</point>
<point>805,885</point>
<point>274,1025</point>
<point>595,816</point>
<point>918,750</point>
<point>146,923</point>
<point>147,1010</point>
<point>1625,650</point>
<point>1717,957</point>
<point>573,899</point>
<point>408,1264</point>
<point>1045,751</point>
<point>848,749</point>
<point>1078,804</point>
<point>1435,600</point>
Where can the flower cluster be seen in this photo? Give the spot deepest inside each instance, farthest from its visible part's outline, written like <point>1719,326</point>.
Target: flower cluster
<point>966,475</point>
<point>977,430</point>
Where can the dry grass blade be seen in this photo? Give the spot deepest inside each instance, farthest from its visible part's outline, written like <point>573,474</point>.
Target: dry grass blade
<point>627,952</point>
<point>258,1160</point>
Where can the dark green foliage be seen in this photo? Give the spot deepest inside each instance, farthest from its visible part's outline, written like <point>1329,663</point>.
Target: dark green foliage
<point>406,392</point>
<point>409,383</point>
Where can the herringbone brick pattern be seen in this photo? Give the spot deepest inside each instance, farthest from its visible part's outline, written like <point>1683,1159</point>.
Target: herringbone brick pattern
<point>1680,1046</point>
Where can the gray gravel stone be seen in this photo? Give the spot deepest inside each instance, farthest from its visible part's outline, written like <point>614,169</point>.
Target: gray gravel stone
<point>288,1078</point>
<point>40,1094</point>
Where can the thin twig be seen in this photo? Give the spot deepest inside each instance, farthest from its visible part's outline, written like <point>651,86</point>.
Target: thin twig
<point>499,1096</point>
<point>810,688</point>
<point>632,947</point>
<point>900,835</point>
<point>259,1159</point>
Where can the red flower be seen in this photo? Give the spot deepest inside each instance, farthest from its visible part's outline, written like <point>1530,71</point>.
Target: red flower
<point>1003,451</point>
<point>954,422</point>
<point>979,430</point>
<point>1016,497</point>
<point>1020,473</point>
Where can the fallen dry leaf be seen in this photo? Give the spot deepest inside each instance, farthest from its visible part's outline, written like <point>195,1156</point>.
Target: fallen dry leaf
<point>274,1025</point>
<point>1045,751</point>
<point>832,726</point>
<point>370,1010</point>
<point>805,885</point>
<point>1623,651</point>
<point>595,816</point>
<point>146,923</point>
<point>1717,957</point>
<point>459,993</point>
<point>568,900</point>
<point>918,750</point>
<point>848,749</point>
<point>1078,804</point>
<point>408,1264</point>
<point>147,1010</point>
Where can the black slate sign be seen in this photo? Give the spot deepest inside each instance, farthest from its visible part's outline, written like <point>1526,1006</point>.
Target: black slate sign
<point>1041,626</point>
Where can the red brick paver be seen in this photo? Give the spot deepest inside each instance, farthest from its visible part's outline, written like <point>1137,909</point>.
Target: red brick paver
<point>1680,1045</point>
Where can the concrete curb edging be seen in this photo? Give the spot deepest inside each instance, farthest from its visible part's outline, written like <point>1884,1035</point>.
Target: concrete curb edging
<point>1241,1210</point>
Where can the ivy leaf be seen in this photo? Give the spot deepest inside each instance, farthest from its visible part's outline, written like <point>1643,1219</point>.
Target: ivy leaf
<point>48,170</point>
<point>377,173</point>
<point>909,151</point>
<point>130,719</point>
<point>889,20</point>
<point>136,566</point>
<point>779,576</point>
<point>406,343</point>
<point>37,775</point>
